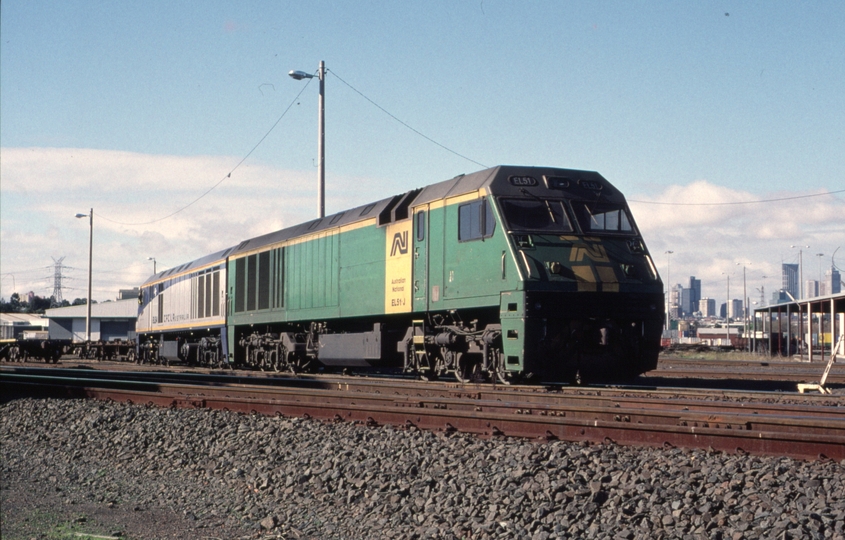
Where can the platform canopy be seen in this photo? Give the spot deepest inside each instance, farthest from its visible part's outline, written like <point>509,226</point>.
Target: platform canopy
<point>820,321</point>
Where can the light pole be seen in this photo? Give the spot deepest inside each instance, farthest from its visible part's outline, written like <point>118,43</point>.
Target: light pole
<point>90,216</point>
<point>819,291</point>
<point>321,137</point>
<point>154,263</point>
<point>745,301</point>
<point>668,292</point>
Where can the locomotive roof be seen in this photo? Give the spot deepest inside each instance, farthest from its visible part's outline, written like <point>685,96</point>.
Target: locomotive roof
<point>496,181</point>
<point>503,180</point>
<point>202,262</point>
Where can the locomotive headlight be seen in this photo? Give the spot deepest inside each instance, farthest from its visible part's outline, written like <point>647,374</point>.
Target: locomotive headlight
<point>555,267</point>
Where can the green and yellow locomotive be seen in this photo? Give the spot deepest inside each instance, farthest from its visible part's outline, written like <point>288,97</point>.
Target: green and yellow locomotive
<point>505,273</point>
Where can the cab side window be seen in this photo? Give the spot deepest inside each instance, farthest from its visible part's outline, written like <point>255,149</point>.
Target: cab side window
<point>475,221</point>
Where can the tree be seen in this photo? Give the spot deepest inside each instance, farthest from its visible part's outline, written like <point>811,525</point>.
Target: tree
<point>13,305</point>
<point>39,305</point>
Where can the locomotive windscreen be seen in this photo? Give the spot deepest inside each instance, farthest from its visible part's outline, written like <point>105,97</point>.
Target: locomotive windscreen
<point>595,217</point>
<point>536,216</point>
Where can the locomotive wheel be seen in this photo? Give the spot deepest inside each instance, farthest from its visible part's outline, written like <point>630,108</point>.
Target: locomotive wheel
<point>467,368</point>
<point>502,375</point>
<point>298,364</point>
<point>272,360</point>
<point>427,374</point>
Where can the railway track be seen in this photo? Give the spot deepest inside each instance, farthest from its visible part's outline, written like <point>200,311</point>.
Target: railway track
<point>773,423</point>
<point>769,370</point>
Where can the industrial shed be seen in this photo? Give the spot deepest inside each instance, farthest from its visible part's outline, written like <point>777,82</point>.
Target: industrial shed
<point>109,321</point>
<point>13,325</point>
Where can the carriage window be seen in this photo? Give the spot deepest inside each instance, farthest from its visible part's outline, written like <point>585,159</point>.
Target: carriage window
<point>475,221</point>
<point>536,215</point>
<point>603,217</point>
<point>240,285</point>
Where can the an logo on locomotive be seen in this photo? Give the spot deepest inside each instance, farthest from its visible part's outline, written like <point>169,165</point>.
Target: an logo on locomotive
<point>592,251</point>
<point>400,244</point>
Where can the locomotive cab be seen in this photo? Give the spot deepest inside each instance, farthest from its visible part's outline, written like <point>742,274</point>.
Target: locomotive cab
<point>589,304</point>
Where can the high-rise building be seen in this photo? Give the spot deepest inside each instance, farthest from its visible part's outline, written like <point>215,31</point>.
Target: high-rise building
<point>707,307</point>
<point>675,301</point>
<point>695,293</point>
<point>736,309</point>
<point>811,288</point>
<point>686,305</point>
<point>790,279</point>
<point>833,281</point>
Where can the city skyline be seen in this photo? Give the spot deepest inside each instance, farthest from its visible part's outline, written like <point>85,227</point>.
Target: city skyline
<point>683,304</point>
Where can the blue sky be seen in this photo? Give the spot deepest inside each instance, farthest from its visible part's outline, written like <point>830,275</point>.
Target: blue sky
<point>136,109</point>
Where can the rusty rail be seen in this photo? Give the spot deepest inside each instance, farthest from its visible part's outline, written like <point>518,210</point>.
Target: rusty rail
<point>801,431</point>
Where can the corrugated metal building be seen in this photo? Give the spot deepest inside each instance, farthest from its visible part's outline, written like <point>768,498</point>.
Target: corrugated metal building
<point>109,321</point>
<point>12,325</point>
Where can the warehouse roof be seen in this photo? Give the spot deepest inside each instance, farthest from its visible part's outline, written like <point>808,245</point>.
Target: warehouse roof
<point>22,319</point>
<point>120,309</point>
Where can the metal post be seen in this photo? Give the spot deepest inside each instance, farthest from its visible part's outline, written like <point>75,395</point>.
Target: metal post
<point>668,294</point>
<point>321,135</point>
<point>810,323</point>
<point>821,329</point>
<point>745,310</point>
<point>771,328</point>
<point>321,143</point>
<point>754,333</point>
<point>90,252</point>
<point>801,273</point>
<point>788,330</point>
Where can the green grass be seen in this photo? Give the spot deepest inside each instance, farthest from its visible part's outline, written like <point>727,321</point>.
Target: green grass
<point>50,526</point>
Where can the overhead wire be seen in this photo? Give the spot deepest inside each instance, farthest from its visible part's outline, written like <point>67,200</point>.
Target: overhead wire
<point>229,175</point>
<point>424,136</point>
<point>260,141</point>
<point>739,202</point>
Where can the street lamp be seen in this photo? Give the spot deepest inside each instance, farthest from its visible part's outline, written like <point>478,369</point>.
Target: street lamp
<point>668,292</point>
<point>90,216</point>
<point>745,301</point>
<point>728,300</point>
<point>154,263</point>
<point>321,137</point>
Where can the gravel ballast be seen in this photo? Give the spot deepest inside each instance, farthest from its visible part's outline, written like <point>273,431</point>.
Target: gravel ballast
<point>146,473</point>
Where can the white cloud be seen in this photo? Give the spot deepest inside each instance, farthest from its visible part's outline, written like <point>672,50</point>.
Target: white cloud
<point>42,189</point>
<point>714,242</point>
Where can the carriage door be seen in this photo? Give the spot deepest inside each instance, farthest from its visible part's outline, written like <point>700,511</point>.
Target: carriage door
<point>421,258</point>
